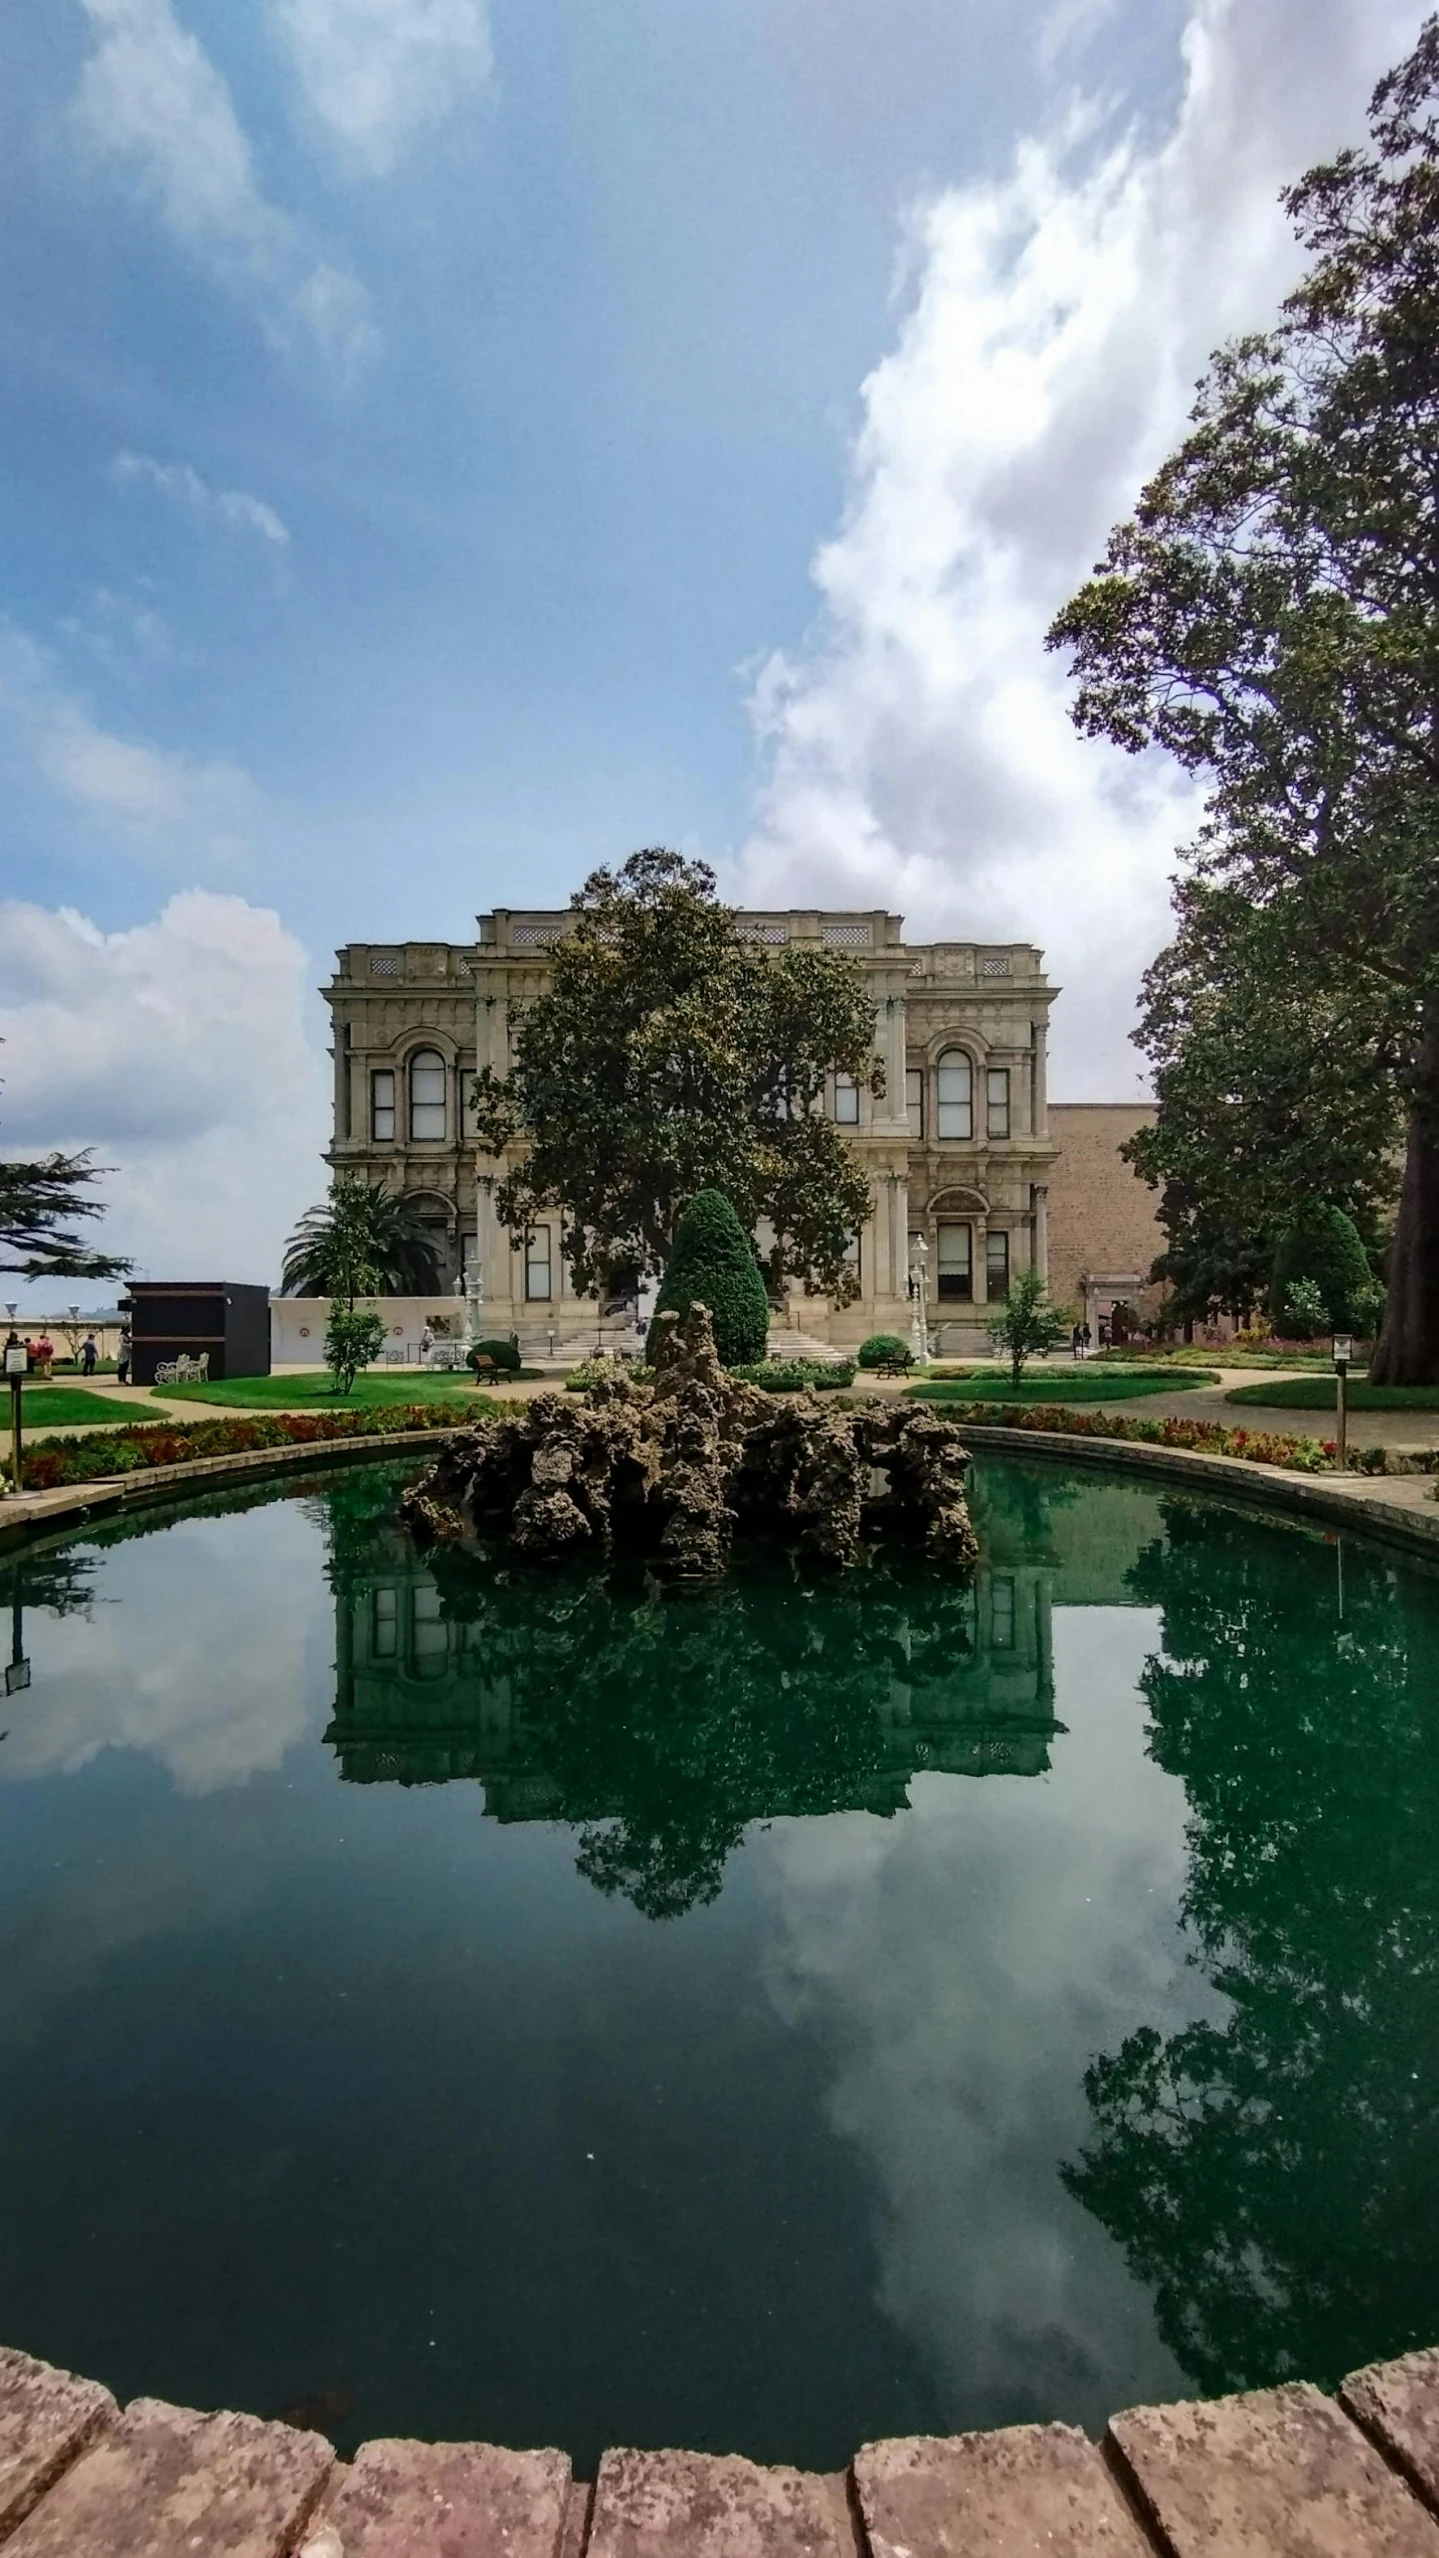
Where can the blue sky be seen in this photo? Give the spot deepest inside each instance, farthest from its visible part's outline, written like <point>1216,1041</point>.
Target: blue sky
<point>445,446</point>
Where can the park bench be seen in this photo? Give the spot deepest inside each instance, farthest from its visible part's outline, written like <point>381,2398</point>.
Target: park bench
<point>899,1366</point>
<point>184,1372</point>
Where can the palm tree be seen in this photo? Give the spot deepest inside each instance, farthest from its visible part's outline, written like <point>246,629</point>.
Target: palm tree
<point>363,1241</point>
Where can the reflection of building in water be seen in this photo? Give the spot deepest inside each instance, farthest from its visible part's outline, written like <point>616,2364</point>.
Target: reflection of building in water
<point>423,1696</point>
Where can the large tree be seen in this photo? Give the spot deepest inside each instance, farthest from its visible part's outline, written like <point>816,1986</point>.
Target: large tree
<point>41,1203</point>
<point>362,1241</point>
<point>1275,1096</point>
<point>671,1054</point>
<point>1271,617</point>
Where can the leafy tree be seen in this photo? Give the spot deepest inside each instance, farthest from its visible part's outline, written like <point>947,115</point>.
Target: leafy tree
<point>1322,1249</point>
<point>714,1261</point>
<point>39,1204</point>
<point>363,1241</point>
<point>1027,1324</point>
<point>353,1338</point>
<point>671,1055</point>
<point>1272,1093</point>
<point>1271,617</point>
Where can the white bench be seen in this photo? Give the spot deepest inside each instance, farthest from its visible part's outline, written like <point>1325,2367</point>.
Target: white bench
<point>184,1372</point>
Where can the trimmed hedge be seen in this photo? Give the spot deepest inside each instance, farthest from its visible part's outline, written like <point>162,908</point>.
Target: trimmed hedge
<point>1206,1438</point>
<point>798,1376</point>
<point>713,1262</point>
<point>502,1353</point>
<point>52,1462</point>
<point>880,1348</point>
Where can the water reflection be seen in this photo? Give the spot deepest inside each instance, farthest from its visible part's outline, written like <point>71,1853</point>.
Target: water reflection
<point>1274,2177</point>
<point>660,1728</point>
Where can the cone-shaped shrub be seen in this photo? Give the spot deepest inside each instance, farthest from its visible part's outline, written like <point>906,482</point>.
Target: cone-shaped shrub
<point>713,1261</point>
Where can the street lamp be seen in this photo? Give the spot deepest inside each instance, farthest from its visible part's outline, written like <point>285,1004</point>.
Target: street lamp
<point>1343,1353</point>
<point>919,1323</point>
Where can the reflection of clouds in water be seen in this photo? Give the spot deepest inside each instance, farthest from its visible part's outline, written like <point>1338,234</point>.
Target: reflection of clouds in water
<point>962,1966</point>
<point>195,1651</point>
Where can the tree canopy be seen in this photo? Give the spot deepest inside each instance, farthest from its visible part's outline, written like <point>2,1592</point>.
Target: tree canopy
<point>40,1205</point>
<point>363,1241</point>
<point>669,1055</point>
<point>1270,616</point>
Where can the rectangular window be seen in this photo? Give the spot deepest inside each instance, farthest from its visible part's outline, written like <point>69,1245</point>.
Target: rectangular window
<point>385,1623</point>
<point>846,1101</point>
<point>996,1265</point>
<point>914,1099</point>
<point>427,1098</point>
<point>382,1105</point>
<point>956,1263</point>
<point>431,1634</point>
<point>1001,1613</point>
<point>955,1078</point>
<point>537,1263</point>
<point>851,1255</point>
<point>996,1084</point>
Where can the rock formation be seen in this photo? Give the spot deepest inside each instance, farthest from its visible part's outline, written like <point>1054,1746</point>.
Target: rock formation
<point>667,1473</point>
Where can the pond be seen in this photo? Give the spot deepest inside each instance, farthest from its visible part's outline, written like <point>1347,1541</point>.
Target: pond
<point>444,2002</point>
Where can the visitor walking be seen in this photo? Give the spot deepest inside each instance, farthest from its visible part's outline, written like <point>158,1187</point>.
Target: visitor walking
<point>122,1357</point>
<point>1076,1343</point>
<point>89,1355</point>
<point>427,1345</point>
<point>1086,1339</point>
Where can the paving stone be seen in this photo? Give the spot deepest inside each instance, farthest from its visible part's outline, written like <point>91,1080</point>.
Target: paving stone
<point>690,2504</point>
<point>46,2419</point>
<point>1030,2489</point>
<point>449,2500</point>
<point>1279,2473</point>
<point>1399,2403</point>
<point>167,2483</point>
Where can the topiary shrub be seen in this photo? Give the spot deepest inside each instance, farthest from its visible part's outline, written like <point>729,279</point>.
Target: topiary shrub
<point>712,1263</point>
<point>880,1348</point>
<point>1324,1247</point>
<point>500,1353</point>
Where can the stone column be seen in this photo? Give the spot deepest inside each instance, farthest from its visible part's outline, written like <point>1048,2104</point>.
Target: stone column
<point>1041,1230</point>
<point>1041,1079</point>
<point>344,1112</point>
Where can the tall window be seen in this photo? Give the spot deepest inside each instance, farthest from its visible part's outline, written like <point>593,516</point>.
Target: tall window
<point>385,1622</point>
<point>430,1633</point>
<point>537,1263</point>
<point>956,1095</point>
<point>956,1261</point>
<point>996,1089</point>
<point>1001,1612</point>
<point>996,1264</point>
<point>851,1255</point>
<point>427,1096</point>
<point>382,1104</point>
<point>846,1101</point>
<point>914,1099</point>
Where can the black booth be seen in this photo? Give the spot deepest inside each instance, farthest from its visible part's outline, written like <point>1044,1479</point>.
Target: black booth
<point>184,1318</point>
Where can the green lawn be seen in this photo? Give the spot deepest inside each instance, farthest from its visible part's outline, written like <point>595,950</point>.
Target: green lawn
<point>64,1407</point>
<point>312,1391</point>
<point>1318,1394</point>
<point>1078,1384</point>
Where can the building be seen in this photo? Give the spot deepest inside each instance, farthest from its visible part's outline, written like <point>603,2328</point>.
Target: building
<point>960,1150</point>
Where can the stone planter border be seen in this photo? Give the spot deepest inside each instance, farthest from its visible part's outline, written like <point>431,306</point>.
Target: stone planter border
<point>70,1504</point>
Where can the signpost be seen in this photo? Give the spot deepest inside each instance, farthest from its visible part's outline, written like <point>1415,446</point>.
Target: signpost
<point>1343,1353</point>
<point>17,1363</point>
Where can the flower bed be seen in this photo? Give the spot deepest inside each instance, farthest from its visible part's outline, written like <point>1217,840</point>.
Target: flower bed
<point>1205,1438</point>
<point>53,1462</point>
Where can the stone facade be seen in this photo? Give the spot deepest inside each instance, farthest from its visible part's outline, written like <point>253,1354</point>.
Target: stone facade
<point>1104,1236</point>
<point>957,1150</point>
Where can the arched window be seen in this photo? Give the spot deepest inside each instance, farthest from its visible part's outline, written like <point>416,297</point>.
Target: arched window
<point>956,1095</point>
<point>427,1096</point>
<point>846,1101</point>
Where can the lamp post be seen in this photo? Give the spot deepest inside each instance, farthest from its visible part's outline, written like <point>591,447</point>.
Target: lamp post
<point>17,1361</point>
<point>919,1322</point>
<point>1343,1353</point>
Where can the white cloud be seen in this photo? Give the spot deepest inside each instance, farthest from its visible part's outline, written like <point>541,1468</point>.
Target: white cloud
<point>179,1050</point>
<point>375,71</point>
<point>172,806</point>
<point>180,481</point>
<point>151,96</point>
<point>918,751</point>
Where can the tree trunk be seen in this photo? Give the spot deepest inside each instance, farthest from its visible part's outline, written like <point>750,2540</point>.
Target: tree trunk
<point>1407,1352</point>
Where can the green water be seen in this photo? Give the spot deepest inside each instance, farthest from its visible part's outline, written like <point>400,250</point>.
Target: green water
<point>446,2002</point>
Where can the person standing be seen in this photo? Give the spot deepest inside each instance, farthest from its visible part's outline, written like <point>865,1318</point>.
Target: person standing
<point>122,1357</point>
<point>89,1355</point>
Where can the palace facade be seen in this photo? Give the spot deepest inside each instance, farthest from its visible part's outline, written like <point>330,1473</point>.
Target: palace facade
<point>959,1150</point>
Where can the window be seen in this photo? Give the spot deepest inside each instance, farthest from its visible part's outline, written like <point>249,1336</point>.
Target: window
<point>956,1087</point>
<point>537,1263</point>
<point>382,1105</point>
<point>431,1634</point>
<point>996,1265</point>
<point>427,1096</point>
<point>956,1264</point>
<point>385,1622</point>
<point>851,1255</point>
<point>996,1086</point>
<point>914,1099</point>
<point>846,1101</point>
<point>1001,1613</point>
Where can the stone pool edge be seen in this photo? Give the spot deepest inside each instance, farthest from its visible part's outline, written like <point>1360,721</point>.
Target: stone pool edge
<point>1401,1509</point>
<point>1268,2473</point>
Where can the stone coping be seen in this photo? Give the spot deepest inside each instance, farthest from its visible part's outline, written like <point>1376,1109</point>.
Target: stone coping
<point>70,1504</point>
<point>1274,2473</point>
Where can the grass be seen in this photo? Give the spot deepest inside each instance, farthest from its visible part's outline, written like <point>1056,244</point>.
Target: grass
<point>313,1391</point>
<point>1079,1384</point>
<point>1319,1394</point>
<point>65,1407</point>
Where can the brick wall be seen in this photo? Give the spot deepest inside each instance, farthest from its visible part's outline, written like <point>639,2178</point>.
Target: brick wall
<point>1101,1215</point>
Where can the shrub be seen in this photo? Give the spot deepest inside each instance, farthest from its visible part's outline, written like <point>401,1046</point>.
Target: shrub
<point>352,1339</point>
<point>501,1353</point>
<point>880,1348</point>
<point>1324,1248</point>
<point>798,1376</point>
<point>713,1263</point>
